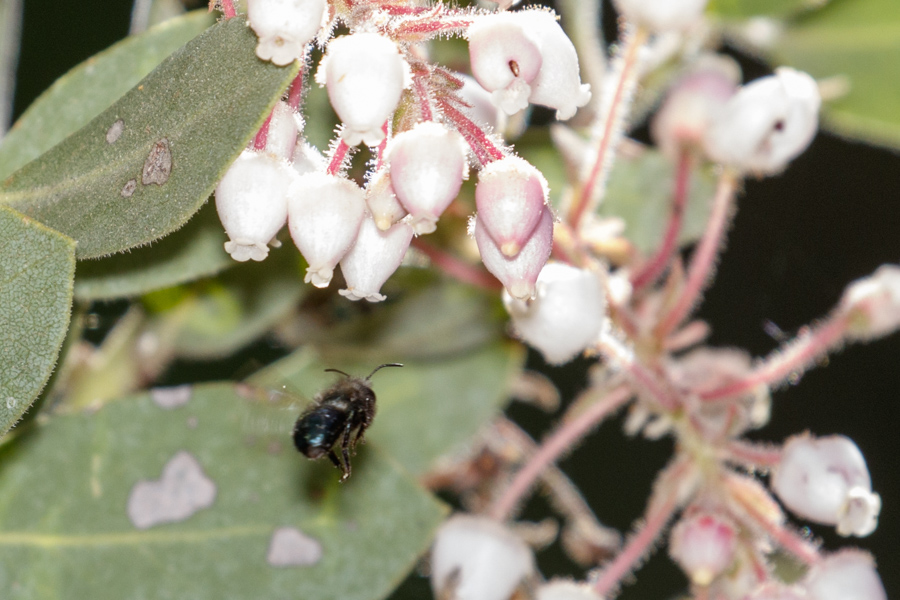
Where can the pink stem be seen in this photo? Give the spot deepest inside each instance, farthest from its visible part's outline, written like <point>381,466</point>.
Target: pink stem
<point>337,159</point>
<point>639,545</point>
<point>788,361</point>
<point>655,266</point>
<point>752,454</point>
<point>615,351</point>
<point>262,136</point>
<point>612,126</point>
<point>421,88</point>
<point>295,93</point>
<point>485,150</point>
<point>704,257</point>
<point>455,268</point>
<point>379,161</point>
<point>566,436</point>
<point>227,8</point>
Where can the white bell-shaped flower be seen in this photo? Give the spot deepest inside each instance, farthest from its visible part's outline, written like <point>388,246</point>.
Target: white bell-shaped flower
<point>284,27</point>
<point>558,83</point>
<point>826,481</point>
<point>693,102</point>
<point>876,301</point>
<point>566,314</point>
<point>283,132</point>
<point>307,158</point>
<point>383,204</point>
<point>365,74</point>
<point>373,258</point>
<point>510,197</point>
<point>766,124</point>
<point>324,216</point>
<point>476,558</point>
<point>504,59</point>
<point>704,545</point>
<point>251,200</point>
<point>661,15</point>
<point>517,274</point>
<point>845,575</point>
<point>427,165</point>
<point>562,589</point>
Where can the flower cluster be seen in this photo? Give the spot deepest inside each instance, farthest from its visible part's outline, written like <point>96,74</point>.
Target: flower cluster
<point>427,126</point>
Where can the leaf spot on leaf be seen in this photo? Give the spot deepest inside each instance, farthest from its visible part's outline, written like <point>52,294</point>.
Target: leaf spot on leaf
<point>115,131</point>
<point>158,165</point>
<point>290,547</point>
<point>129,188</point>
<point>10,403</point>
<point>171,397</point>
<point>182,490</point>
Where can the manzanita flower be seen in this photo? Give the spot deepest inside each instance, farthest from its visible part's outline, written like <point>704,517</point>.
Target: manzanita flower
<point>518,274</point>
<point>383,204</point>
<point>845,575</point>
<point>373,258</point>
<point>523,57</point>
<point>427,165</point>
<point>284,27</point>
<point>704,544</point>
<point>283,131</point>
<point>510,197</point>
<point>365,74</point>
<point>826,481</point>
<point>661,15</point>
<point>562,589</point>
<point>307,159</point>
<point>766,124</point>
<point>476,558</point>
<point>324,215</point>
<point>874,302</point>
<point>251,200</point>
<point>566,314</point>
<point>693,102</point>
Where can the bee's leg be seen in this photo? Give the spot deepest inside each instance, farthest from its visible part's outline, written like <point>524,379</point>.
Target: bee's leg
<point>336,461</point>
<point>345,448</point>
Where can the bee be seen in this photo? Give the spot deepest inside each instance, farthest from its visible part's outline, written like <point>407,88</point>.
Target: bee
<point>346,407</point>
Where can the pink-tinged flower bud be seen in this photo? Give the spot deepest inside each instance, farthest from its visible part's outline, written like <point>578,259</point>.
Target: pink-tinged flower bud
<point>324,215</point>
<point>373,258</point>
<point>519,274</point>
<point>504,59</point>
<point>565,316</point>
<point>307,159</point>
<point>284,27</point>
<point>383,203</point>
<point>704,545</point>
<point>826,481</point>
<point>874,302</point>
<point>251,201</point>
<point>476,558</point>
<point>766,124</point>
<point>558,83</point>
<point>693,102</point>
<point>661,15</point>
<point>561,589</point>
<point>510,198</point>
<point>283,131</point>
<point>365,75</point>
<point>845,575</point>
<point>428,165</point>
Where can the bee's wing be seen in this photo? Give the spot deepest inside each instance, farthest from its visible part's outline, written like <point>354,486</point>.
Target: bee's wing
<point>269,415</point>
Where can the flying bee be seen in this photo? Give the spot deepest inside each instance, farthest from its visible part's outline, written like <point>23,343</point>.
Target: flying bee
<point>346,407</point>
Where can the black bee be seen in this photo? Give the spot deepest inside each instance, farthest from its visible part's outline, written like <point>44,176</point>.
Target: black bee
<point>345,407</point>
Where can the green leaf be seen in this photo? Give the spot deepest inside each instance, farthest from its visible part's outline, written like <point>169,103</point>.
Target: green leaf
<point>245,302</point>
<point>68,529</point>
<point>640,192</point>
<point>85,91</point>
<point>736,9</point>
<point>36,268</point>
<point>858,42</point>
<point>145,165</point>
<point>193,252</point>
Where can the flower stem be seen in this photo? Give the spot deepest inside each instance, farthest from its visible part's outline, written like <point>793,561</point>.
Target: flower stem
<point>703,261</point>
<point>561,441</point>
<point>456,268</point>
<point>483,148</point>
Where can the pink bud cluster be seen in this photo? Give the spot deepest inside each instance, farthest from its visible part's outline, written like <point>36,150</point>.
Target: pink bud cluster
<point>377,79</point>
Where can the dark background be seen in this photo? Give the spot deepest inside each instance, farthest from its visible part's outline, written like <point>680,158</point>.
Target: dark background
<point>796,242</point>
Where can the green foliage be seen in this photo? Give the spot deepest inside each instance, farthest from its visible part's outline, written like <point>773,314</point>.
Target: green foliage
<point>36,267</point>
<point>143,167</point>
<point>59,522</point>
